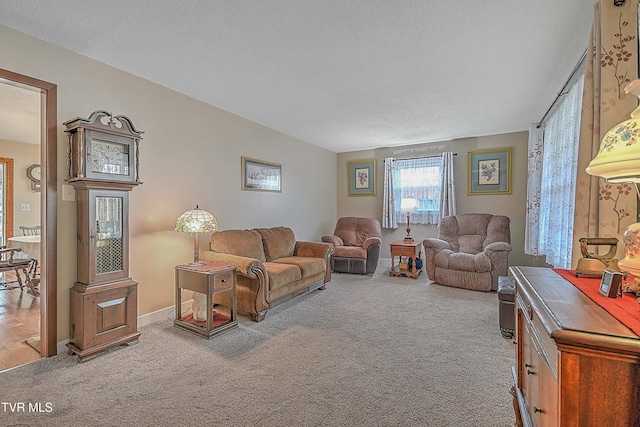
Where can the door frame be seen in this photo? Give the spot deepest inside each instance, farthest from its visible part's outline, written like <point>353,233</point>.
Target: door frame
<point>48,206</point>
<point>7,206</point>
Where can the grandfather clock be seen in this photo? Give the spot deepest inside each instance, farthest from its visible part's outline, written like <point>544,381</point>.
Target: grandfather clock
<point>103,169</point>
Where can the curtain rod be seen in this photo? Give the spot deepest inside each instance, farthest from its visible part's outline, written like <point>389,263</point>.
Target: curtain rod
<point>562,92</point>
<point>420,157</point>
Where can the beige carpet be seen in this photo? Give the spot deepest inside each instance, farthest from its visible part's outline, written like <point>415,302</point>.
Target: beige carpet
<point>367,351</point>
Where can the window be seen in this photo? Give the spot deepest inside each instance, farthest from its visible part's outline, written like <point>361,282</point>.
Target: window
<point>419,179</point>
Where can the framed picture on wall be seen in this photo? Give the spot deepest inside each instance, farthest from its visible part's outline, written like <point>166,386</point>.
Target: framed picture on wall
<point>489,171</point>
<point>258,175</point>
<point>362,177</point>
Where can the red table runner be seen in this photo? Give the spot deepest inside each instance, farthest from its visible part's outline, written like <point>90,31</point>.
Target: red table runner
<point>625,309</point>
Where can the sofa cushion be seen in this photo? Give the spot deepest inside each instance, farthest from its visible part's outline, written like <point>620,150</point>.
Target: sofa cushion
<point>247,243</point>
<point>308,266</point>
<point>281,274</point>
<point>350,252</point>
<point>278,242</point>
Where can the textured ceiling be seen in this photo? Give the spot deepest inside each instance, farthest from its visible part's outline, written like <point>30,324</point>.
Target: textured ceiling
<point>19,114</point>
<point>342,74</point>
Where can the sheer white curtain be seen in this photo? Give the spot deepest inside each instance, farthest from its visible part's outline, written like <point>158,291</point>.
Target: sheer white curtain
<point>558,182</point>
<point>388,198</point>
<point>448,194</point>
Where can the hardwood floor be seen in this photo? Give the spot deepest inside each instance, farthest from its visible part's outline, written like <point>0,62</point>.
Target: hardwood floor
<point>19,323</point>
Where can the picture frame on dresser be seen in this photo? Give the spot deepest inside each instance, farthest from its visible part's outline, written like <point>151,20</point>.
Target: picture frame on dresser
<point>489,171</point>
<point>611,284</point>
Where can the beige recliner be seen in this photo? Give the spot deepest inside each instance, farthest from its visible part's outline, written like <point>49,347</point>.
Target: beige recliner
<point>471,251</point>
<point>357,245</point>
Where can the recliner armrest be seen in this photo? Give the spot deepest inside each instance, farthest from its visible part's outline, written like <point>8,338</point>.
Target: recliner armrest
<point>371,241</point>
<point>333,239</point>
<point>497,247</point>
<point>436,244</point>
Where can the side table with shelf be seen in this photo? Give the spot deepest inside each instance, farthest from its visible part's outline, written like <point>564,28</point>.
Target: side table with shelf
<point>208,279</point>
<point>409,250</point>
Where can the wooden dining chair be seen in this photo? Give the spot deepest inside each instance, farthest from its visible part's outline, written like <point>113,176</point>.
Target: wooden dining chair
<point>30,230</point>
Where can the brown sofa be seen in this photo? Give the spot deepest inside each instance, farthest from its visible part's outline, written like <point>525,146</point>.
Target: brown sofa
<point>357,245</point>
<point>471,251</point>
<point>272,267</point>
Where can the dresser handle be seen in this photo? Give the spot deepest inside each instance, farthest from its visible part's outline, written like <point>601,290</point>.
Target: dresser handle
<point>526,365</point>
<point>537,410</point>
<point>530,372</point>
<point>224,280</point>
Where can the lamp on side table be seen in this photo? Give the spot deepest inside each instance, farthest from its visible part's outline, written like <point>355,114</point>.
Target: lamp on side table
<point>196,221</point>
<point>408,205</point>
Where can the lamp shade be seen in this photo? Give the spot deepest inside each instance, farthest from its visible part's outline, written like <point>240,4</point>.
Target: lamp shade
<point>408,205</point>
<point>618,159</point>
<point>196,221</point>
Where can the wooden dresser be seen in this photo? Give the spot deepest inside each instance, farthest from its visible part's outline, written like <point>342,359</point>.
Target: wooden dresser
<point>576,364</point>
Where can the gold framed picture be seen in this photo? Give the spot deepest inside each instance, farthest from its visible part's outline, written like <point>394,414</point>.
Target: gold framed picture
<point>489,171</point>
<point>362,177</point>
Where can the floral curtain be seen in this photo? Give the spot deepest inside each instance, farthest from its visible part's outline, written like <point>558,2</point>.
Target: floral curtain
<point>448,194</point>
<point>388,197</point>
<point>604,209</point>
<point>534,183</point>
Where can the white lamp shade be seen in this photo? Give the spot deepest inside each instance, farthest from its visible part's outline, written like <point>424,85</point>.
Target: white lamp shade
<point>196,221</point>
<point>408,205</point>
<point>619,157</point>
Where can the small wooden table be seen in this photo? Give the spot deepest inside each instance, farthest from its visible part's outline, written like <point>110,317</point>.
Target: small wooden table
<point>410,250</point>
<point>208,279</point>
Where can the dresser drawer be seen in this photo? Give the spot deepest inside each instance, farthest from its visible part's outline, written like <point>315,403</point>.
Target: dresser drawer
<point>545,345</point>
<point>542,343</point>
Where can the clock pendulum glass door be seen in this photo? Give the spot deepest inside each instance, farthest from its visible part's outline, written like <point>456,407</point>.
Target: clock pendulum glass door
<point>109,249</point>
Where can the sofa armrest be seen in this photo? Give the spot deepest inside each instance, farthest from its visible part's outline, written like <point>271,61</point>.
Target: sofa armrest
<point>371,241</point>
<point>245,266</point>
<point>334,240</point>
<point>436,244</point>
<point>313,249</point>
<point>316,250</point>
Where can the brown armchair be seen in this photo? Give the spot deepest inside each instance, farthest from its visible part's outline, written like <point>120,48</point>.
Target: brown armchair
<point>471,251</point>
<point>357,245</point>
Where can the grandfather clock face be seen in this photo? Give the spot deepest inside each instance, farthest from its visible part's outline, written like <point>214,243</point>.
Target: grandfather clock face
<point>110,158</point>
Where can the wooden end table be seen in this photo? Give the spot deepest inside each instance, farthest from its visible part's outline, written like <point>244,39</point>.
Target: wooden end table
<point>209,279</point>
<point>412,250</point>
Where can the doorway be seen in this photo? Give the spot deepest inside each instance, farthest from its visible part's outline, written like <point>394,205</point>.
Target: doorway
<point>6,199</point>
<point>47,92</point>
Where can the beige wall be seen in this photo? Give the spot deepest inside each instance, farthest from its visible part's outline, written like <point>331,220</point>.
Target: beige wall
<point>511,205</point>
<point>190,155</point>
<point>23,155</point>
